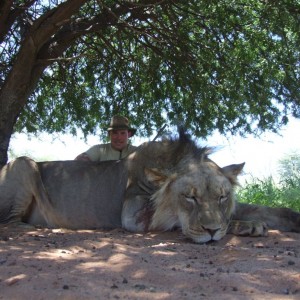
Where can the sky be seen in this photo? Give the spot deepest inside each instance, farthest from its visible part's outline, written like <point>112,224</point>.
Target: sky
<point>261,155</point>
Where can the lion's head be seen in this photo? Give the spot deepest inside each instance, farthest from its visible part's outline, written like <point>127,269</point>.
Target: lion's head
<point>200,201</point>
<point>173,183</point>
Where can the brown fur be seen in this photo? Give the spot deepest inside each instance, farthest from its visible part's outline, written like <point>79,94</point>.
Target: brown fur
<point>162,185</point>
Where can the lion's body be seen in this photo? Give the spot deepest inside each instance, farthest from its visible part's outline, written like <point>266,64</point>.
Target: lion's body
<point>161,186</point>
<point>70,194</point>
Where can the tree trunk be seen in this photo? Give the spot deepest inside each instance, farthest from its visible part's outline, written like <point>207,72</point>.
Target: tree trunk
<point>28,68</point>
<point>13,95</point>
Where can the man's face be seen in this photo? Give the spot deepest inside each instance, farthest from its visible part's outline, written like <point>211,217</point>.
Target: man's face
<point>119,139</point>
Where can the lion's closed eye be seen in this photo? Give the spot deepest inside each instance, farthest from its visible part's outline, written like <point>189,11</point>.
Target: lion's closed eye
<point>223,199</point>
<point>190,198</point>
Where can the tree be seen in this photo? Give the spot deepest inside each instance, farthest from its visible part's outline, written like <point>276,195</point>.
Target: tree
<point>218,64</point>
<point>289,166</point>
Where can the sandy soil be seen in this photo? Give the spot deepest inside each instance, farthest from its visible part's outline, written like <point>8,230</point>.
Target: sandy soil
<point>63,264</point>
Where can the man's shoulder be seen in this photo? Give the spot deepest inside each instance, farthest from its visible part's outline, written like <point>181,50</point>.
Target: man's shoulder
<point>101,146</point>
<point>97,149</point>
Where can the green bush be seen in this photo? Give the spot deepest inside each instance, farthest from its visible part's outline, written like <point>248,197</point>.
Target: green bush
<point>286,193</point>
<point>290,190</point>
<point>266,192</point>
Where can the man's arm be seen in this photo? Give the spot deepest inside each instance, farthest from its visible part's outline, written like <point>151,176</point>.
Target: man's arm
<point>83,156</point>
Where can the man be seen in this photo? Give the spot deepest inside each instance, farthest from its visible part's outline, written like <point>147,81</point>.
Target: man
<point>119,132</point>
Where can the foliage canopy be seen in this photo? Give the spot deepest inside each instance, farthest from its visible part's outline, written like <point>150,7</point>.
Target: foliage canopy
<point>231,65</point>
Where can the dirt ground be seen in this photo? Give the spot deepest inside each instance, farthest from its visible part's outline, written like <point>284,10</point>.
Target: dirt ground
<point>64,264</point>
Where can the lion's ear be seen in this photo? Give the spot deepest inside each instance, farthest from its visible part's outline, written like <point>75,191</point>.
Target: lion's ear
<point>155,176</point>
<point>232,172</point>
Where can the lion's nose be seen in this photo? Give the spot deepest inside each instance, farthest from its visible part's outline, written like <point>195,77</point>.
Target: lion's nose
<point>212,231</point>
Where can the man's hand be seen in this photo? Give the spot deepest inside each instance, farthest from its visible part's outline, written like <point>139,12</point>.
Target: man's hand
<point>83,157</point>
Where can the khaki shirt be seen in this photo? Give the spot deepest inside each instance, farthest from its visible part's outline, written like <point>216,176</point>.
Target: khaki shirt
<point>106,152</point>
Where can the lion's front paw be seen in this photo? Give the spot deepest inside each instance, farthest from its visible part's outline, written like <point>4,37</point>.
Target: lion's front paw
<point>250,228</point>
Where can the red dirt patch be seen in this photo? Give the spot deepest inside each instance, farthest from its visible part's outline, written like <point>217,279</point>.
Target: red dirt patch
<point>94,264</point>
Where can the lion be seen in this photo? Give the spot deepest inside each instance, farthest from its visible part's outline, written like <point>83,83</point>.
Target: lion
<point>161,186</point>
